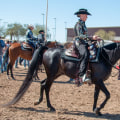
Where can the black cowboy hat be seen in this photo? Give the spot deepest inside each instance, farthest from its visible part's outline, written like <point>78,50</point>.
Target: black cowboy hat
<point>82,11</point>
<point>41,31</point>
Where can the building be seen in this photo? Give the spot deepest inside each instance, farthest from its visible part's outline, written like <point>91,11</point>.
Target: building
<point>92,30</point>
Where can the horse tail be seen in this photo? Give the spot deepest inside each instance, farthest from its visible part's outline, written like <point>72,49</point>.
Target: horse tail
<point>6,57</point>
<point>38,56</point>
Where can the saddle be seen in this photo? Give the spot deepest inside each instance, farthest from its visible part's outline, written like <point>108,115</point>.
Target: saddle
<point>26,46</point>
<point>71,52</point>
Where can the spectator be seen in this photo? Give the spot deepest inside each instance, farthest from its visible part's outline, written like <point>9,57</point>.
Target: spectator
<point>26,63</point>
<point>2,45</point>
<point>7,44</point>
<point>16,63</point>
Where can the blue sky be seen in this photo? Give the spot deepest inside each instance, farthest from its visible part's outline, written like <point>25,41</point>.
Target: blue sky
<point>105,13</point>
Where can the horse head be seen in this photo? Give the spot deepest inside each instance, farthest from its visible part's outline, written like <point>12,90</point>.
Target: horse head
<point>112,51</point>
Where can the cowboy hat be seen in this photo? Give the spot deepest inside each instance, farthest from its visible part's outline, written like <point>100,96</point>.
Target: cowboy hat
<point>41,31</point>
<point>30,25</point>
<point>82,11</point>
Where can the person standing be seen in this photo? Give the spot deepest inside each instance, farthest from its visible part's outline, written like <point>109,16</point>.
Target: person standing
<point>2,45</point>
<point>16,63</point>
<point>25,63</point>
<point>7,44</point>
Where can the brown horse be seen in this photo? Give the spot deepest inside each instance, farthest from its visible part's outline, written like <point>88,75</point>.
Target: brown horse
<point>17,50</point>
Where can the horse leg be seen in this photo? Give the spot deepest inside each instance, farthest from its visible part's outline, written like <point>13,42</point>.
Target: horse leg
<point>8,67</point>
<point>45,86</point>
<point>106,92</point>
<point>41,92</point>
<point>11,66</point>
<point>96,94</point>
<point>47,90</point>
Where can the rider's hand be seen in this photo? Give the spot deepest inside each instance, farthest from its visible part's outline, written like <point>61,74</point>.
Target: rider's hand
<point>95,37</point>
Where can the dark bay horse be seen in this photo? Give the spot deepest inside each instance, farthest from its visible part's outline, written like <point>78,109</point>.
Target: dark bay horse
<point>56,66</point>
<point>16,50</point>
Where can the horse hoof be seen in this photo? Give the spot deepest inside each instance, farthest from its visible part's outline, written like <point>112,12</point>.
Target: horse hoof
<point>13,78</point>
<point>52,109</point>
<point>97,112</point>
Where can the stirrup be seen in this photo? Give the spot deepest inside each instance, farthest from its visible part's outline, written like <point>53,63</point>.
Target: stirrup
<point>82,78</point>
<point>85,79</point>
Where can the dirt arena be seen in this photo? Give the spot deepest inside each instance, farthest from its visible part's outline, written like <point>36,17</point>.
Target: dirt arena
<point>70,102</point>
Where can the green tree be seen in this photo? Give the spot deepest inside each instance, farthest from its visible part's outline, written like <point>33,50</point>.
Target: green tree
<point>105,35</point>
<point>102,33</point>
<point>16,30</point>
<point>37,28</point>
<point>10,31</point>
<point>111,35</point>
<point>2,31</point>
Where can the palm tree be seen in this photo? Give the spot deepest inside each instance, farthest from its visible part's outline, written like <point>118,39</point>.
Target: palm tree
<point>15,30</point>
<point>2,31</point>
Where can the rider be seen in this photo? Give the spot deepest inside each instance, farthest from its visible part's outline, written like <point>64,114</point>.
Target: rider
<point>41,37</point>
<point>80,30</point>
<point>29,36</point>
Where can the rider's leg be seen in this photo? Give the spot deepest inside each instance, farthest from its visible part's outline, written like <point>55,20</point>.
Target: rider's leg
<point>84,53</point>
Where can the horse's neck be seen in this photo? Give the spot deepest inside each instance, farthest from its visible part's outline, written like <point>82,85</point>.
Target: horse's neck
<point>118,52</point>
<point>113,53</point>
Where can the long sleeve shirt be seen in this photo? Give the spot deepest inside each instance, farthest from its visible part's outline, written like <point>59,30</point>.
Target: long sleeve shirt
<point>41,38</point>
<point>29,36</point>
<point>80,29</point>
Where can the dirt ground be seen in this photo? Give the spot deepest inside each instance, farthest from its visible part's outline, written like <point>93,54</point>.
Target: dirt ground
<point>70,102</point>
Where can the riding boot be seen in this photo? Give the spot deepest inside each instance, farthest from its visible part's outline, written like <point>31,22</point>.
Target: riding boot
<point>82,78</point>
<point>88,77</point>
